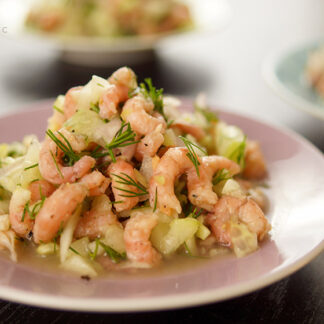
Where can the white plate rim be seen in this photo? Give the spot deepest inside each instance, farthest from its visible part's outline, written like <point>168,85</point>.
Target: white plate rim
<point>167,302</point>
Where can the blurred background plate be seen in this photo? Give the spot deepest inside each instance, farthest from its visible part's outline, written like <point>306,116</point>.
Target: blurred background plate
<point>284,71</point>
<point>208,16</point>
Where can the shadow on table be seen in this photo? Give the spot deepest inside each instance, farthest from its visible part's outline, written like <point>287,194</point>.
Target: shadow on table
<point>48,79</point>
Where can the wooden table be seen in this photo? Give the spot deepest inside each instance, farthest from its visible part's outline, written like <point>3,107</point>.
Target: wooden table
<point>226,65</point>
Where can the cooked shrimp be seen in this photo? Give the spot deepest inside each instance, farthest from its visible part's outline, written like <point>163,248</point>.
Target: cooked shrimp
<point>200,188</point>
<point>125,79</point>
<point>136,111</point>
<point>70,104</point>
<point>57,209</point>
<point>235,209</point>
<point>176,162</point>
<point>96,183</point>
<point>122,168</point>
<point>255,167</point>
<point>50,160</point>
<point>122,82</point>
<point>149,144</point>
<point>193,130</point>
<point>39,189</point>
<point>137,233</point>
<point>19,218</point>
<point>94,222</point>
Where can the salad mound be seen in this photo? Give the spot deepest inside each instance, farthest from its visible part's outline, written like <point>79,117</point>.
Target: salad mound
<point>125,179</point>
<point>113,18</point>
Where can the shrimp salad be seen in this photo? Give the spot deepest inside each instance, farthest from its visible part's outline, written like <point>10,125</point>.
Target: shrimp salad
<point>314,70</point>
<point>108,18</point>
<point>124,179</point>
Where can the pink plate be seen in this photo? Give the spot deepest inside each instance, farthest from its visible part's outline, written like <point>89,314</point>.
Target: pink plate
<point>296,194</point>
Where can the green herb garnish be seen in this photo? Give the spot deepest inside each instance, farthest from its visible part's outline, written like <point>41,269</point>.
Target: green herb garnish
<point>56,165</point>
<point>113,255</point>
<point>124,137</point>
<point>58,234</point>
<point>69,156</point>
<point>127,180</point>
<point>93,254</point>
<point>149,91</point>
<point>221,175</point>
<point>155,201</point>
<point>192,155</point>
<point>58,109</point>
<point>95,108</point>
<point>74,250</point>
<point>32,166</point>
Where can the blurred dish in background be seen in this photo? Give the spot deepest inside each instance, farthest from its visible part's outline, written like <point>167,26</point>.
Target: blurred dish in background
<point>108,18</point>
<point>92,37</point>
<point>296,74</point>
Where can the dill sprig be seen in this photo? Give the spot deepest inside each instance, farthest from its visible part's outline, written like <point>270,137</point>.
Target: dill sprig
<point>194,212</point>
<point>94,108</point>
<point>93,254</point>
<point>192,155</point>
<point>155,201</point>
<point>74,250</point>
<point>149,91</point>
<point>221,175</point>
<point>69,156</point>
<point>58,109</point>
<point>113,254</point>
<point>58,234</point>
<point>31,167</point>
<point>127,180</point>
<point>124,137</point>
<point>56,165</point>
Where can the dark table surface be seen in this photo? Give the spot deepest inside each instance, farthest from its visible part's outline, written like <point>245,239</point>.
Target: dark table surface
<point>227,66</point>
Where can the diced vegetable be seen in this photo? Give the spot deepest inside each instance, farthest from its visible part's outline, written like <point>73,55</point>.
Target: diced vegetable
<point>90,93</point>
<point>179,231</point>
<point>114,238</point>
<point>8,242</point>
<point>203,232</point>
<point>81,246</point>
<point>4,222</point>
<point>229,187</point>
<point>170,138</point>
<point>47,248</point>
<point>191,246</point>
<point>80,265</point>
<point>230,142</point>
<point>243,240</point>
<point>67,234</point>
<point>89,124</point>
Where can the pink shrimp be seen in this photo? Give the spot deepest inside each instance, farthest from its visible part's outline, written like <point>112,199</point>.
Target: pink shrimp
<point>137,233</point>
<point>39,189</point>
<point>193,130</point>
<point>123,169</point>
<point>122,82</point>
<point>50,160</point>
<point>70,105</point>
<point>176,162</point>
<point>136,111</point>
<point>255,167</point>
<point>235,209</point>
<point>57,209</point>
<point>94,222</point>
<point>96,183</point>
<point>149,144</point>
<point>20,220</point>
